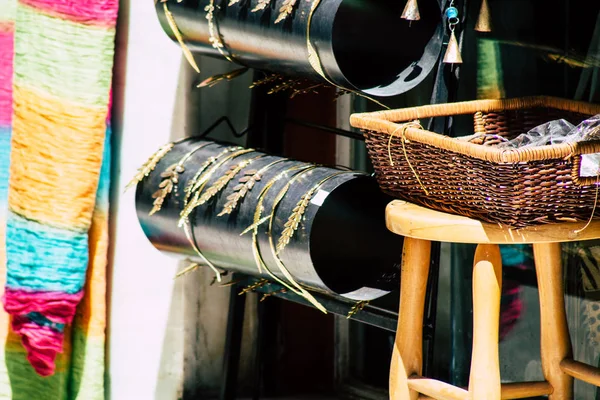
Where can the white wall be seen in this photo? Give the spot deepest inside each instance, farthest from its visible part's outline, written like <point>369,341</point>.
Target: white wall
<point>166,337</point>
<point>146,115</point>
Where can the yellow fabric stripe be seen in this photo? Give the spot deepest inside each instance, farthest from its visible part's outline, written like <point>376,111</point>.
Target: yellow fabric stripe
<point>55,160</point>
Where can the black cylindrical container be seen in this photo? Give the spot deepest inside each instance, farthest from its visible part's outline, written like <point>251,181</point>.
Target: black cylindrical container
<point>362,44</point>
<point>341,246</point>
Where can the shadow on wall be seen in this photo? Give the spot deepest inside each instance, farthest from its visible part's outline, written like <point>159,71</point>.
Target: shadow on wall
<point>166,336</point>
<point>198,314</point>
<point>118,104</point>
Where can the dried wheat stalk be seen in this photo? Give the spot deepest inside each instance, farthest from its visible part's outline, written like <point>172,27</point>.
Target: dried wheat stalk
<point>246,183</point>
<point>266,79</point>
<point>214,37</point>
<point>188,208</point>
<point>341,92</point>
<point>221,183</point>
<point>189,268</point>
<point>167,185</point>
<point>213,80</point>
<point>149,165</point>
<point>306,90</point>
<point>199,178</point>
<point>261,5</point>
<point>257,224</point>
<point>286,10</point>
<point>275,293</point>
<point>286,273</point>
<point>281,83</point>
<point>284,85</point>
<point>254,286</point>
<point>294,220</point>
<point>196,185</point>
<point>186,51</point>
<point>356,308</point>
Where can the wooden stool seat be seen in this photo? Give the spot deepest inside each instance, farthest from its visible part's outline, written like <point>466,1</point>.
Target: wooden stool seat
<point>420,226</point>
<point>418,222</point>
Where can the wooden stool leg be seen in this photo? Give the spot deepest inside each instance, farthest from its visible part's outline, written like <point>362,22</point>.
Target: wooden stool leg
<point>407,358</point>
<point>484,381</point>
<point>555,339</point>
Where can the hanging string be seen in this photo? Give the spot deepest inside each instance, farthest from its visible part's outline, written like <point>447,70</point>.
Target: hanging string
<point>578,231</point>
<point>403,139</point>
<point>452,55</point>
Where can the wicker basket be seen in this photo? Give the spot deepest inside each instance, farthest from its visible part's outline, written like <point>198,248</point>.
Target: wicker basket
<point>513,187</point>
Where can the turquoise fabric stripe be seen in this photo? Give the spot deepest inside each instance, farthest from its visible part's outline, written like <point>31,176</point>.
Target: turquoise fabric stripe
<point>43,258</point>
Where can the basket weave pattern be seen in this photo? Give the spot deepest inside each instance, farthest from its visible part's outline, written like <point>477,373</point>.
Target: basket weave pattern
<point>517,188</point>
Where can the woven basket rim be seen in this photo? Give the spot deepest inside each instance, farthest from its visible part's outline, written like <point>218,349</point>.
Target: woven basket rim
<point>393,122</point>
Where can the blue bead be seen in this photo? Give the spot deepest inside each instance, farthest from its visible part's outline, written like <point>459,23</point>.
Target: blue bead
<point>451,12</point>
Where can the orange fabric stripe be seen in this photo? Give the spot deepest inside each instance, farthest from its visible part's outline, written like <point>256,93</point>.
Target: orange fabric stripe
<point>55,159</point>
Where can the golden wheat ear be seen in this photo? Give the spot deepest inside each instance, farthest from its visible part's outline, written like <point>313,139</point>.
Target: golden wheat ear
<point>286,10</point>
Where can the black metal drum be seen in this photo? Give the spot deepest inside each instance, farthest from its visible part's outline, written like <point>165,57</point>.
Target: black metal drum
<point>363,45</point>
<point>341,245</point>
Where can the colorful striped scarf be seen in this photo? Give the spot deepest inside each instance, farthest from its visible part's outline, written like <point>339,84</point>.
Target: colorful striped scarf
<point>53,123</point>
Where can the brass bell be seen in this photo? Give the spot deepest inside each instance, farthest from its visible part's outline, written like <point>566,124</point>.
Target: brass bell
<point>452,55</point>
<point>484,22</point>
<point>411,11</point>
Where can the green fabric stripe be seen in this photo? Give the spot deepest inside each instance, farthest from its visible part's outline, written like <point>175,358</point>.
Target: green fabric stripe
<point>19,381</point>
<point>66,59</point>
<point>87,367</point>
<point>8,10</point>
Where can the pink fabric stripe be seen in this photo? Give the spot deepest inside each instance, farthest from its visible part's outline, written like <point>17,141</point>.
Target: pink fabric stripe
<point>89,12</point>
<point>56,306</point>
<point>6,72</point>
<point>42,344</point>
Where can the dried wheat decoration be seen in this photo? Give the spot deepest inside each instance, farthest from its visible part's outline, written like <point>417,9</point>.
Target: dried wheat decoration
<point>170,180</point>
<point>149,165</point>
<point>220,183</point>
<point>294,219</point>
<point>244,186</point>
<point>196,190</point>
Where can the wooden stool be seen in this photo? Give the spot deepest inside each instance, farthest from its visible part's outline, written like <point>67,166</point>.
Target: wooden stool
<point>420,226</point>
